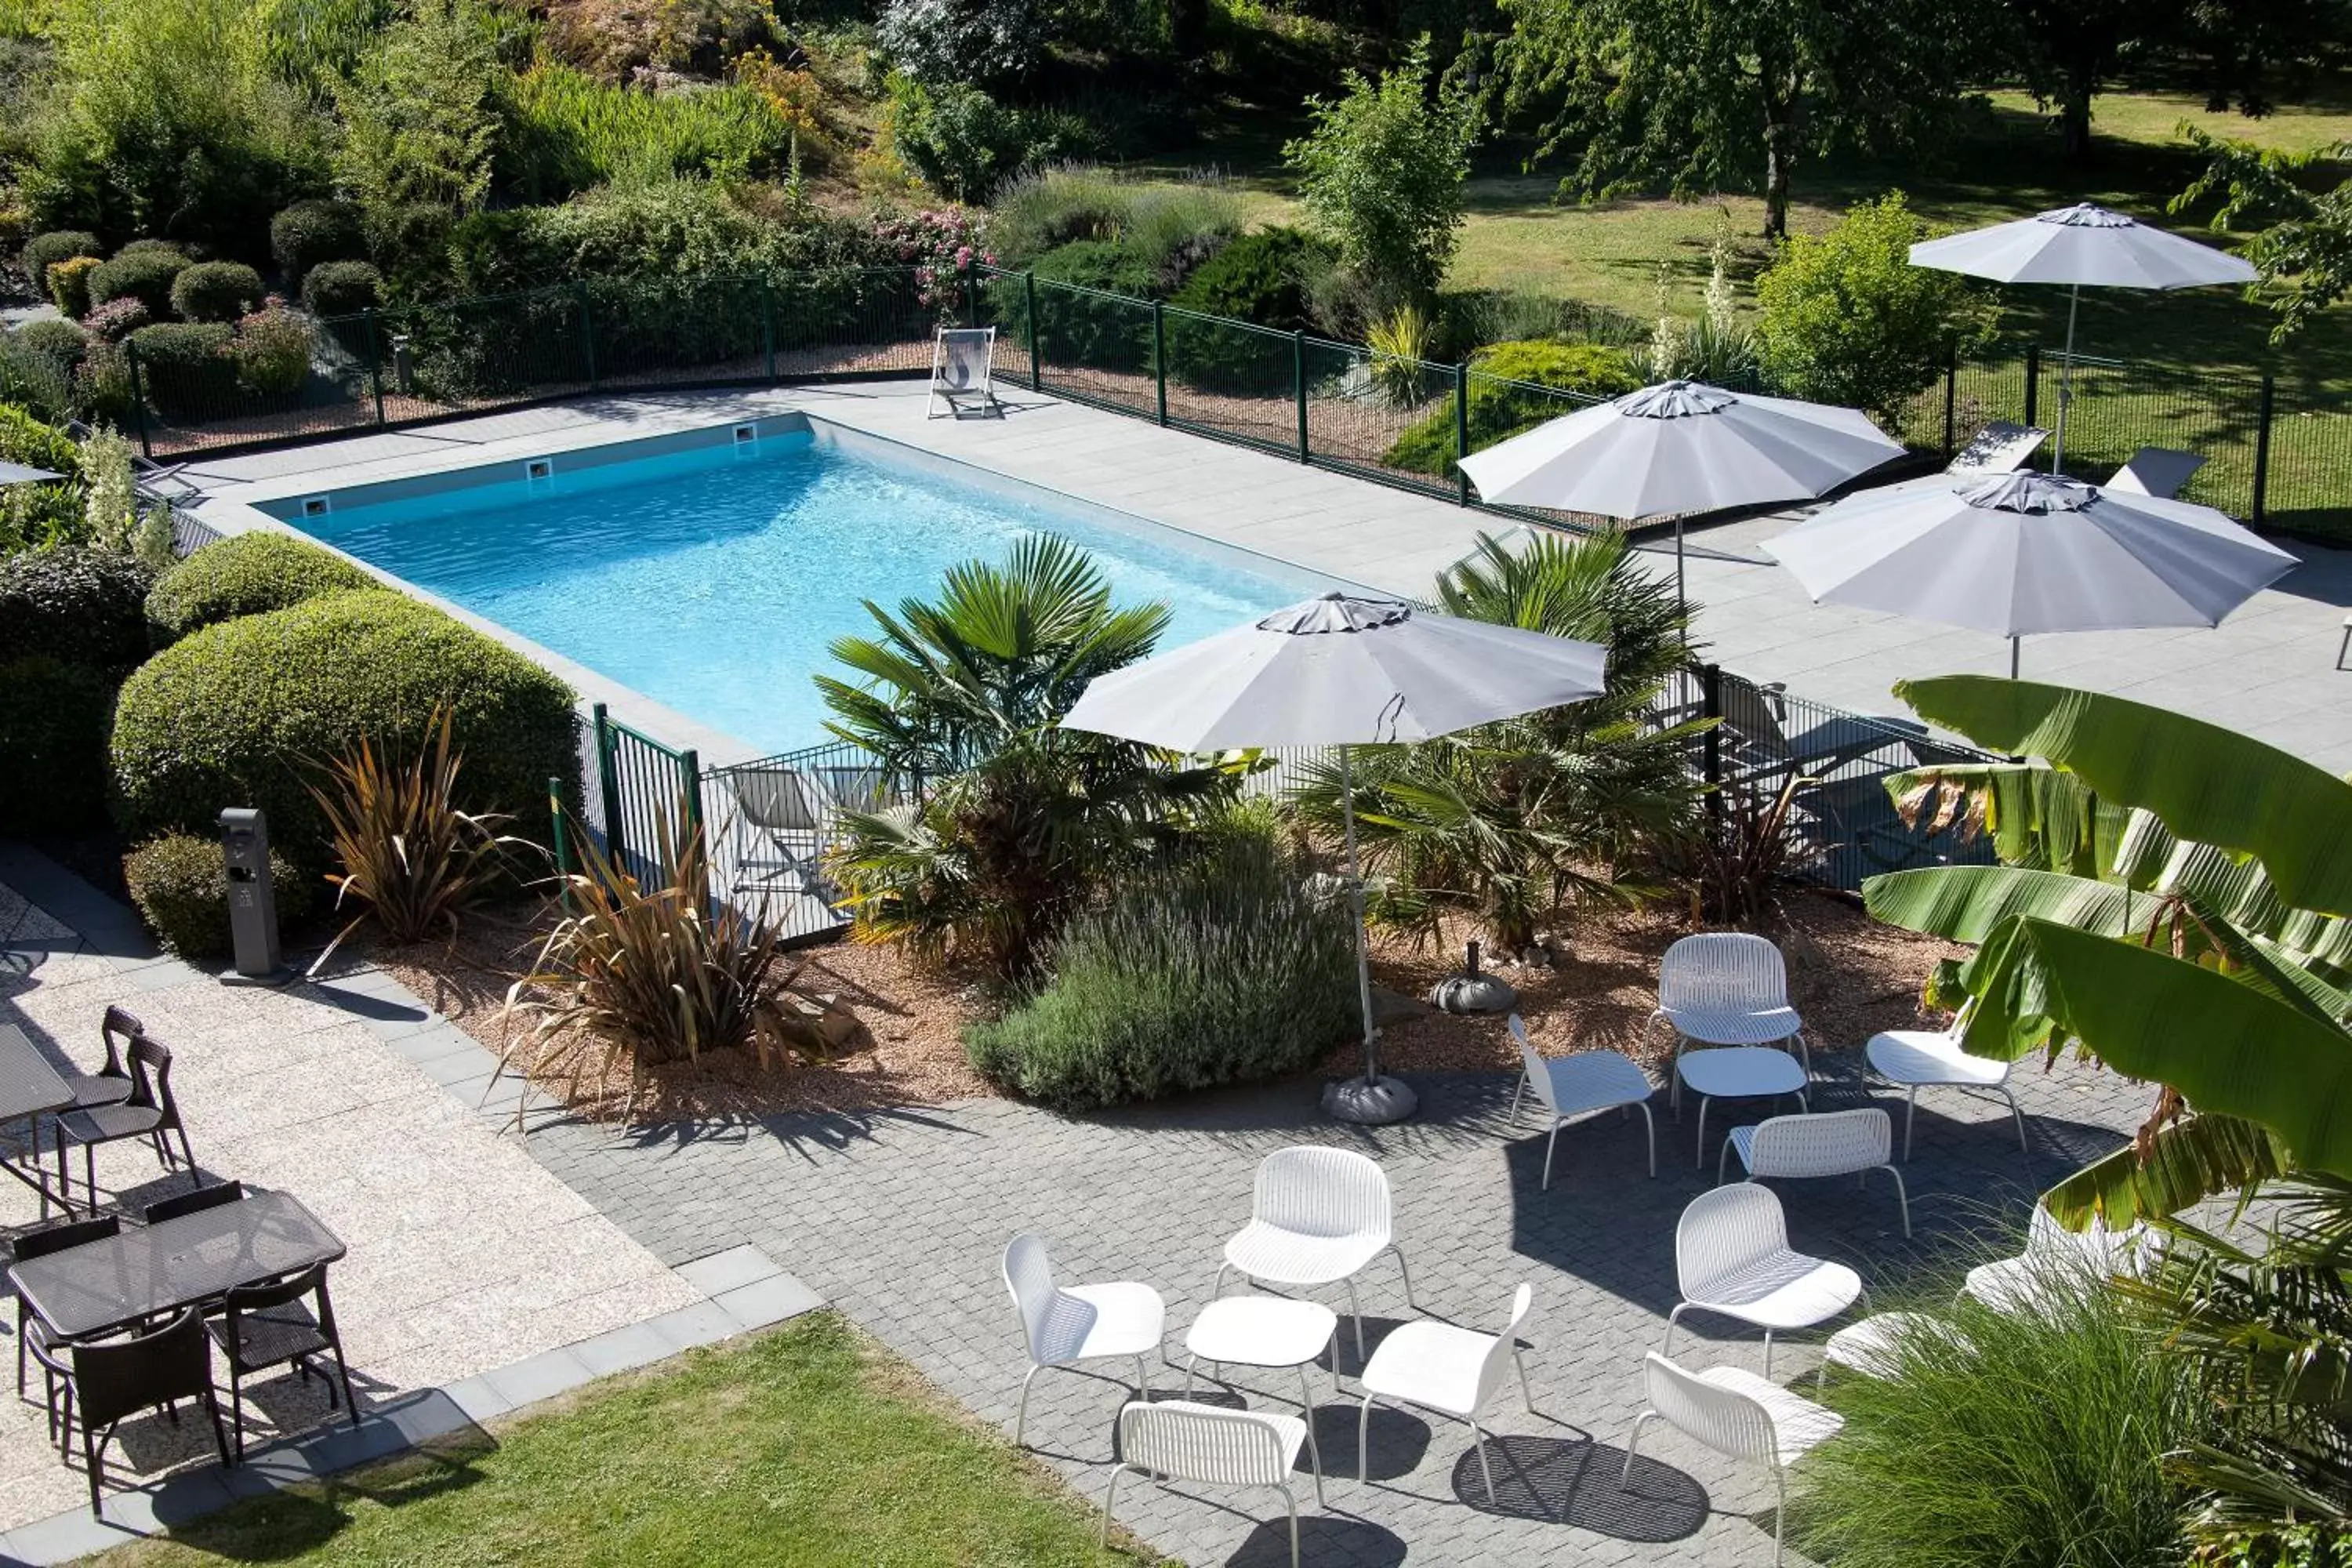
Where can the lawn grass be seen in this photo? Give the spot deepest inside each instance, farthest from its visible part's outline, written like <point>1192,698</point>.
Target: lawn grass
<point>809,1444</point>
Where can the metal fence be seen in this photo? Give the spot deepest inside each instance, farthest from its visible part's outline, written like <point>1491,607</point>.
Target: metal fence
<point>643,799</point>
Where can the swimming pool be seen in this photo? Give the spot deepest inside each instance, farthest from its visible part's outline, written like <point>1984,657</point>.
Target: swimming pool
<point>713,577</point>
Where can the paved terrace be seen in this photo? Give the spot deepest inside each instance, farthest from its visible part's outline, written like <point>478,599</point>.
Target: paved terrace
<point>2269,670</point>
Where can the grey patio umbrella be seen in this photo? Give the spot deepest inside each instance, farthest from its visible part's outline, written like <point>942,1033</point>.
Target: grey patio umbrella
<point>2084,245</point>
<point>2018,555</point>
<point>1341,671</point>
<point>1680,447</point>
<point>18,474</point>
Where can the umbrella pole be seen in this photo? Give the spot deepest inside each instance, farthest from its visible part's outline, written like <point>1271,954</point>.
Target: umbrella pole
<point>1371,1099</point>
<point>2066,378</point>
<point>1682,601</point>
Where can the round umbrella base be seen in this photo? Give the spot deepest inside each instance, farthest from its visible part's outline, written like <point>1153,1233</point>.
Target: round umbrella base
<point>1369,1102</point>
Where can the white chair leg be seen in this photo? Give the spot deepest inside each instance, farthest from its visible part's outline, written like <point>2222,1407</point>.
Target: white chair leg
<point>1314,1450</point>
<point>2022,1147</point>
<point>1768,1353</point>
<point>1780,1514</point>
<point>1550,1144</point>
<point>1021,1422</point>
<point>1517,1092</point>
<point>1698,1160</point>
<point>1804,1055</point>
<point>1632,1443</point>
<point>1527,1393</point>
<point>1110,1496</point>
<point>1722,1158</point>
<point>1673,1320</point>
<point>1910,1114</point>
<point>1356,1311</point>
<point>1364,1441</point>
<point>1142,1382</point>
<point>1902,1199</point>
<point>1219,1289</point>
<point>1478,1441</point>
<point>1291,1499</point>
<point>1649,1123</point>
<point>1407,1274</point>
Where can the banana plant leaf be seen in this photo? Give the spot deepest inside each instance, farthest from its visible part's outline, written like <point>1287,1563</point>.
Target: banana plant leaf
<point>2190,1161</point>
<point>2229,1048</point>
<point>2036,816</point>
<point>2207,784</point>
<point>1969,903</point>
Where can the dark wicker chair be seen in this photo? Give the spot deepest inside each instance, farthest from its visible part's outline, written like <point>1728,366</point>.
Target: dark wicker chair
<point>30,1330</point>
<point>150,1113</point>
<point>268,1325</point>
<point>211,1197</point>
<point>113,1379</point>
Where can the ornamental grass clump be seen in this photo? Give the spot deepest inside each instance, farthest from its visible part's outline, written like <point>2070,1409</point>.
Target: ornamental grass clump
<point>649,973</point>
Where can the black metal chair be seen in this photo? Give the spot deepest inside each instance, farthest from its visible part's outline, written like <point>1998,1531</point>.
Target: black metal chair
<point>110,1083</point>
<point>268,1325</point>
<point>111,1380</point>
<point>30,1331</point>
<point>150,1113</point>
<point>211,1197</point>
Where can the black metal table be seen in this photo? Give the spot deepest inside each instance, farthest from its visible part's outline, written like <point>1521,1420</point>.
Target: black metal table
<point>156,1268</point>
<point>30,1088</point>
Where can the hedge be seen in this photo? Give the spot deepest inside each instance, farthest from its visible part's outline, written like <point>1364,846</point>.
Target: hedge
<point>145,276</point>
<point>216,292</point>
<point>60,341</point>
<point>44,251</point>
<point>341,287</point>
<point>239,713</point>
<point>188,368</point>
<point>1108,328</point>
<point>180,883</point>
<point>245,575</point>
<point>68,283</point>
<point>53,724</point>
<point>75,604</point>
<point>1261,278</point>
<point>312,232</point>
<point>1498,412</point>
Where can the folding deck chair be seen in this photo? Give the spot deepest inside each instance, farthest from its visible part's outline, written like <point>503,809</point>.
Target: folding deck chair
<point>963,361</point>
<point>2000,447</point>
<point>2157,471</point>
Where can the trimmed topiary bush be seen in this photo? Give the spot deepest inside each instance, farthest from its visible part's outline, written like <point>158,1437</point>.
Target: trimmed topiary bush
<point>1222,970</point>
<point>342,289</point>
<point>68,283</point>
<point>53,724</point>
<point>59,341</point>
<point>238,713</point>
<point>75,604</point>
<point>1106,328</point>
<point>44,251</point>
<point>145,276</point>
<point>1499,411</point>
<point>245,575</point>
<point>216,292</point>
<point>154,247</point>
<point>189,368</point>
<point>180,885</point>
<point>1261,278</point>
<point>311,232</point>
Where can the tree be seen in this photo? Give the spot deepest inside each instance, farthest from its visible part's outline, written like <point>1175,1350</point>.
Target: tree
<point>1704,96</point>
<point>421,123</point>
<point>1846,318</point>
<point>1381,174</point>
<point>2301,238</point>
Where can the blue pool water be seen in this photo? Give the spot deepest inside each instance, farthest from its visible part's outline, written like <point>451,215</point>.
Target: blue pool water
<point>712,580</point>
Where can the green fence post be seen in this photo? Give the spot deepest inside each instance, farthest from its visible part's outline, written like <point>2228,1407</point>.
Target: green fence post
<point>587,332</point>
<point>2263,446</point>
<point>138,399</point>
<point>1036,334</point>
<point>608,781</point>
<point>1951,394</point>
<point>768,321</point>
<point>1298,387</point>
<point>375,364</point>
<point>1461,430</point>
<point>563,844</point>
<point>2033,381</point>
<point>1159,357</point>
<point>689,790</point>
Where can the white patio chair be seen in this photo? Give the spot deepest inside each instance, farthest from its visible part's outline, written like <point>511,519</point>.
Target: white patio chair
<point>1820,1143</point>
<point>1737,1414</point>
<point>964,365</point>
<point>788,812</point>
<point>1874,1347</point>
<point>1732,1257</point>
<point>1571,1086</point>
<point>2056,1259</point>
<point>1119,1320</point>
<point>1727,988</point>
<point>2158,471</point>
<point>2000,447</point>
<point>1207,1444</point>
<point>1318,1216</point>
<point>1914,1060</point>
<point>1454,1372</point>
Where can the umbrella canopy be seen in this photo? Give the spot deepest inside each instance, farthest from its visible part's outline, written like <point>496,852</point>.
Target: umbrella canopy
<point>1341,670</point>
<point>2085,245</point>
<point>2022,554</point>
<point>18,474</point>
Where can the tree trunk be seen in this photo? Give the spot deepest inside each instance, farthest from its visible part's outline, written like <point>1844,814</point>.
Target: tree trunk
<point>1188,28</point>
<point>2074,109</point>
<point>1779,131</point>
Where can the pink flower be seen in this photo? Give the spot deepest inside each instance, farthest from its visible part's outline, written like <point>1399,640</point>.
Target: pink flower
<point>963,256</point>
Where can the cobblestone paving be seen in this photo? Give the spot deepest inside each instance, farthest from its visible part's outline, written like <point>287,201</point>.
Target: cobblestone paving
<point>900,1218</point>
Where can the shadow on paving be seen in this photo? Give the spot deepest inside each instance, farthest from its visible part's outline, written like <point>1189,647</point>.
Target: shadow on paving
<point>1575,1482</point>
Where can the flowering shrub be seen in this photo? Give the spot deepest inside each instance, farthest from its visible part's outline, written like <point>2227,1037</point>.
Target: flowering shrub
<point>116,318</point>
<point>272,349</point>
<point>939,243</point>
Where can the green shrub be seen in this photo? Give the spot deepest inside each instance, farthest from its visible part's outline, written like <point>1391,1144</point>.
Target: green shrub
<point>67,282</point>
<point>75,604</point>
<point>1498,412</point>
<point>245,575</point>
<point>234,714</point>
<point>37,443</point>
<point>272,353</point>
<point>44,251</point>
<point>189,368</point>
<point>1217,971</point>
<point>180,883</point>
<point>34,378</point>
<point>37,516</point>
<point>216,291</point>
<point>145,276</point>
<point>1260,278</point>
<point>1172,228</point>
<point>53,724</point>
<point>342,289</point>
<point>154,247</point>
<point>311,232</point>
<point>1108,328</point>
<point>566,131</point>
<point>992,43</point>
<point>60,341</point>
<point>117,320</point>
<point>2056,1422</point>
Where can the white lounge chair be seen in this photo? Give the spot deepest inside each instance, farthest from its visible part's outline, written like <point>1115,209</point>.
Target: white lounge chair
<point>1727,988</point>
<point>1318,1216</point>
<point>1207,1444</point>
<point>1454,1372</point>
<point>2000,447</point>
<point>1822,1144</point>
<point>1569,1085</point>
<point>788,812</point>
<point>1914,1060</point>
<point>1732,1257</point>
<point>2056,1259</point>
<point>1061,1325</point>
<point>1737,1414</point>
<point>963,364</point>
<point>2158,471</point>
<point>1872,1347</point>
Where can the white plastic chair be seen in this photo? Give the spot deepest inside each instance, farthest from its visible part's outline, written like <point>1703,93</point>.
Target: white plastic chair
<point>1078,1322</point>
<point>1822,1143</point>
<point>1454,1372</point>
<point>1737,1414</point>
<point>1207,1444</point>
<point>1732,1257</point>
<point>963,366</point>
<point>1728,988</point>
<point>1914,1060</point>
<point>2056,1259</point>
<point>1571,1086</point>
<point>1318,1216</point>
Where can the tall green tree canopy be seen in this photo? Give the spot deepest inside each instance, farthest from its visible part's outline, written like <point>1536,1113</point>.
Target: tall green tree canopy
<point>2300,237</point>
